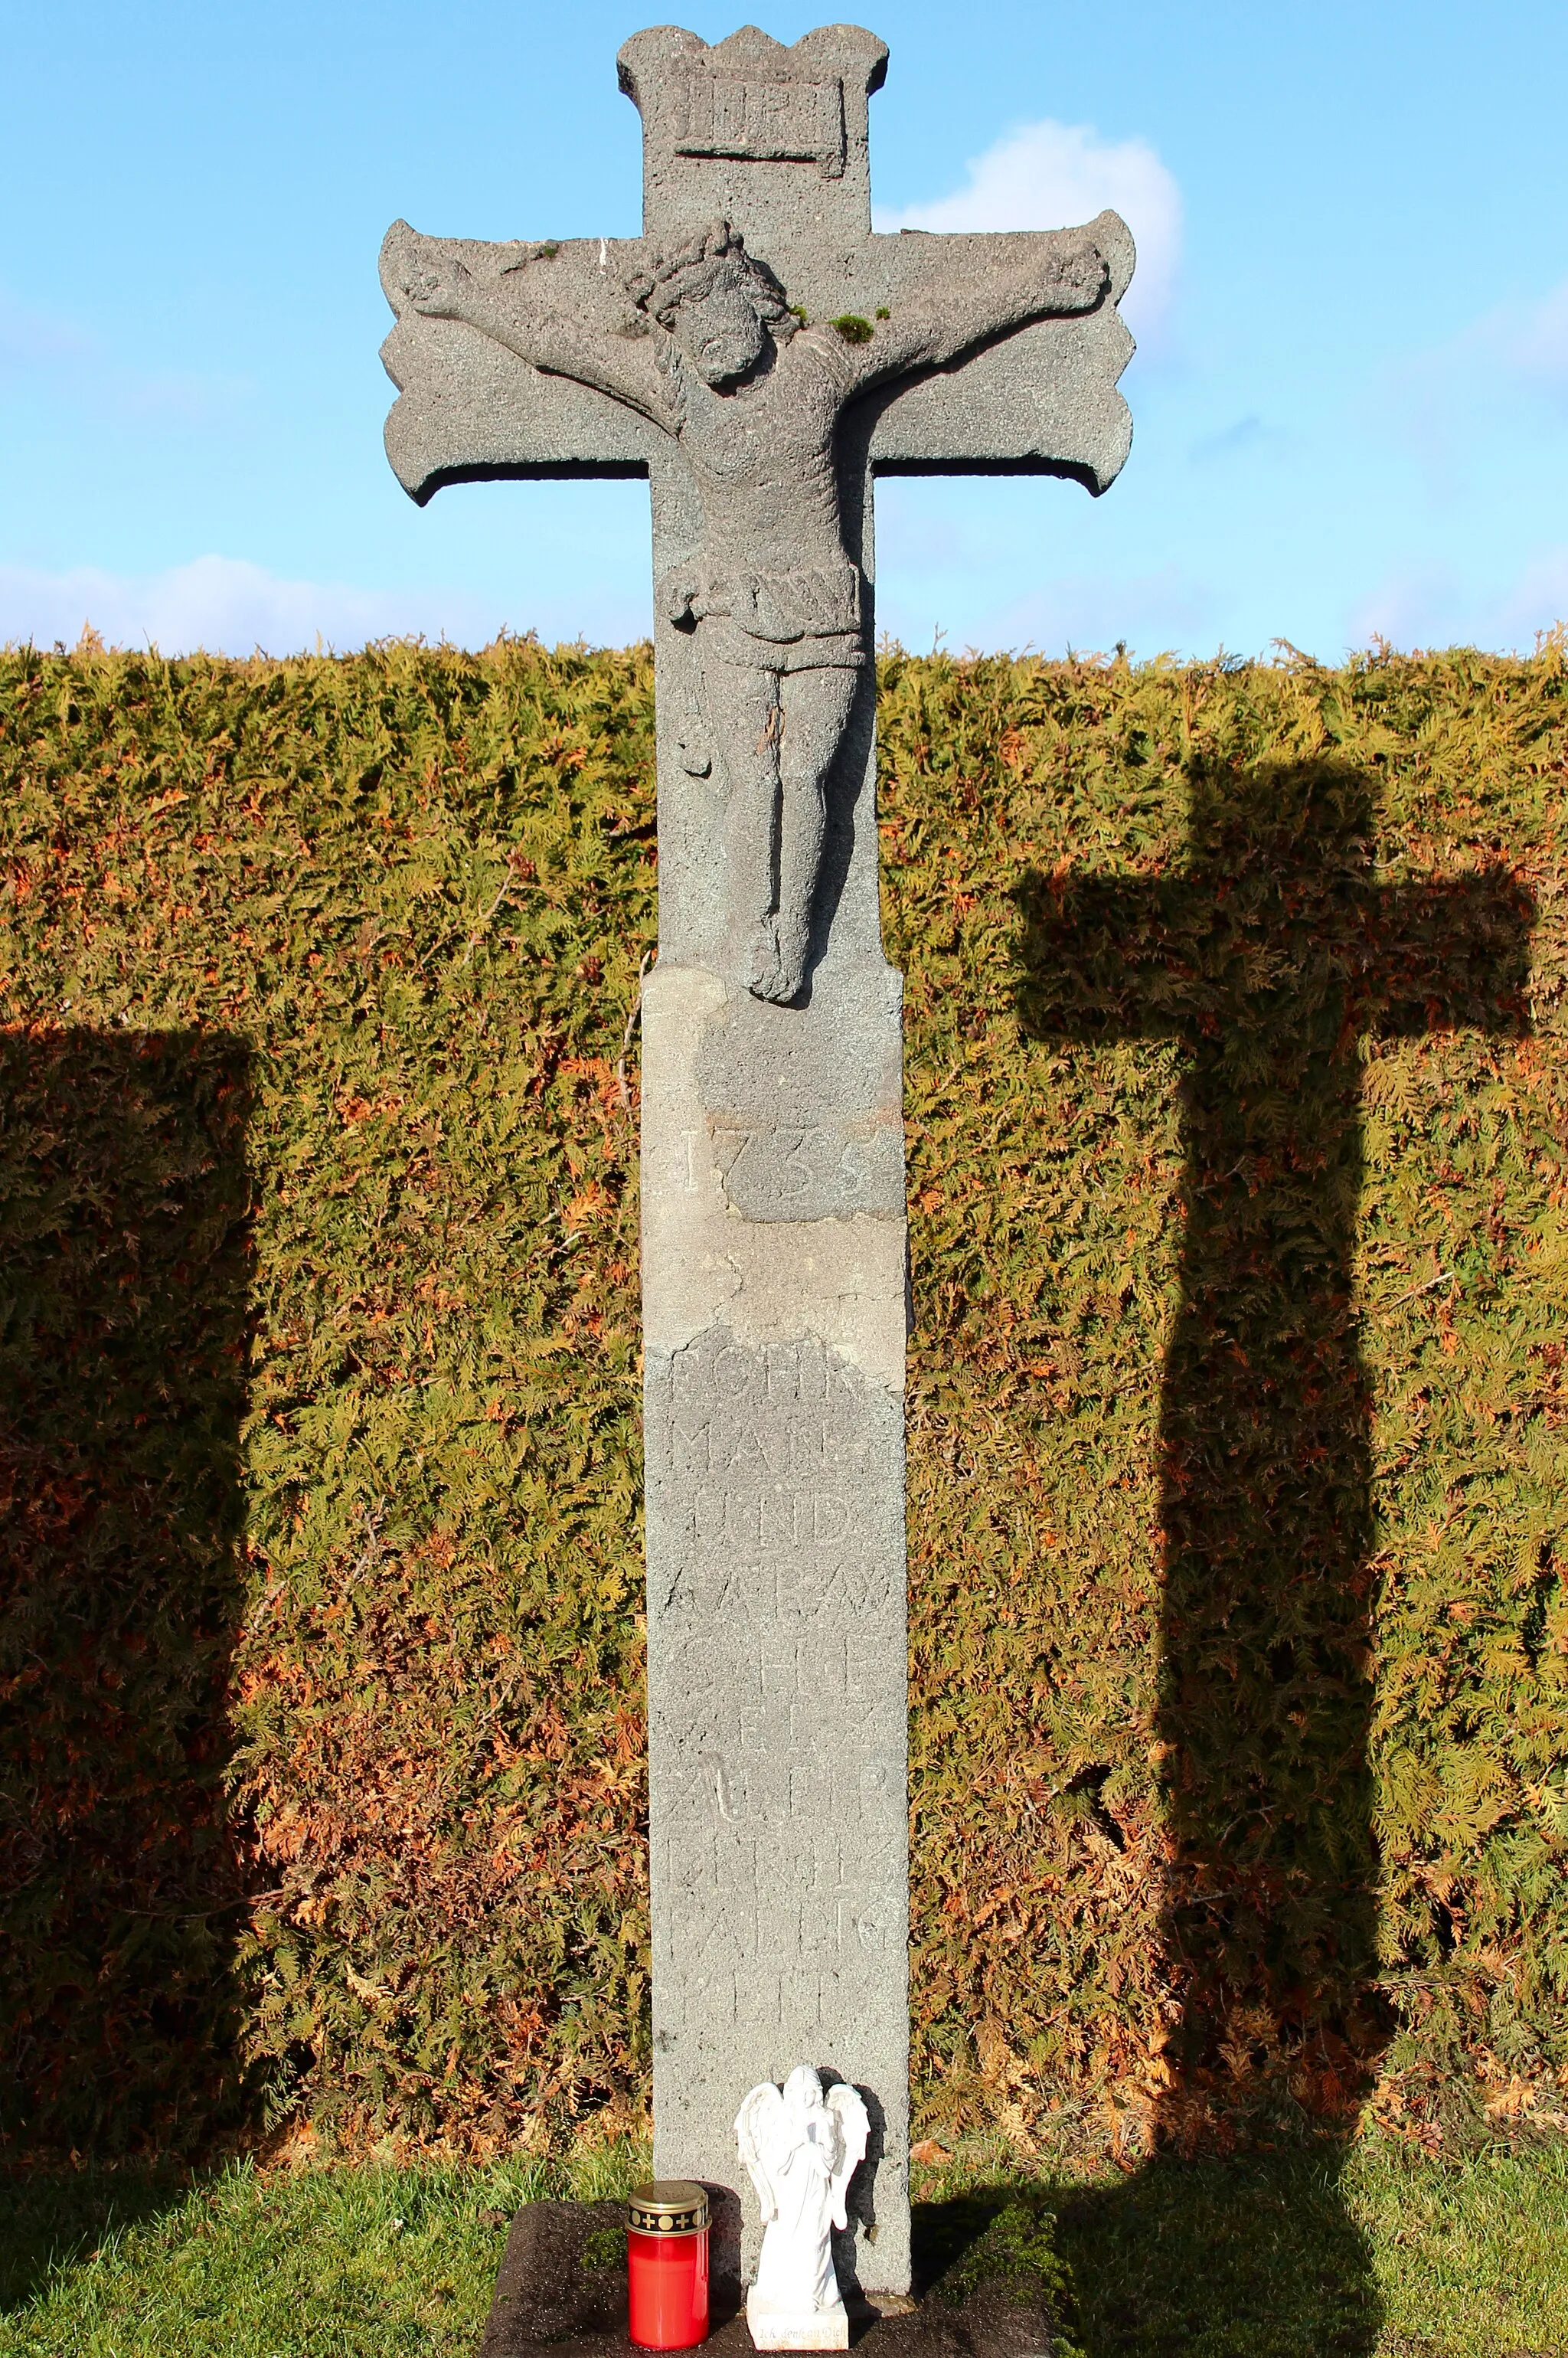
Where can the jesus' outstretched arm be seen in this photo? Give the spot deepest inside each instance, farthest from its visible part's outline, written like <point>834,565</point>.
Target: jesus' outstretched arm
<point>1006,283</point>
<point>519,296</point>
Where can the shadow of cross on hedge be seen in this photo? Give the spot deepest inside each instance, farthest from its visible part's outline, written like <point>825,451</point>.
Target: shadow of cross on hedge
<point>1269,953</point>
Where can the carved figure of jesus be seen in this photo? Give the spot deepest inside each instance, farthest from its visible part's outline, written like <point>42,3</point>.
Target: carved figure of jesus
<point>705,343</point>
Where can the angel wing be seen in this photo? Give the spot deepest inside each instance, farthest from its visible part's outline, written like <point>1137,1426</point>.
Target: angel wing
<point>759,2124</point>
<point>854,2128</point>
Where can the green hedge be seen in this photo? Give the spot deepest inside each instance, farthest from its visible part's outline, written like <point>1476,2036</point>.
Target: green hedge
<point>1236,1104</point>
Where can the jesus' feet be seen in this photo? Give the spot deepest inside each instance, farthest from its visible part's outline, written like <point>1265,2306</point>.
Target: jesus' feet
<point>761,962</point>
<point>775,965</point>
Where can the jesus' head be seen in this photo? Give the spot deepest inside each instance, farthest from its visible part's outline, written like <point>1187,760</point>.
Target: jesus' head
<point>722,306</point>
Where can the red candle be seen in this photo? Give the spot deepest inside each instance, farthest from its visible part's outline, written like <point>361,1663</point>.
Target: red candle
<point>666,2264</point>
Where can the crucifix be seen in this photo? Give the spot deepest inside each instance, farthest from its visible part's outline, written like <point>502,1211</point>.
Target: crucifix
<point>759,355</point>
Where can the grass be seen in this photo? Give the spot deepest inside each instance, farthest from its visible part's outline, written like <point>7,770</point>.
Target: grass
<point>1385,2256</point>
<point>1280,2256</point>
<point>370,2262</point>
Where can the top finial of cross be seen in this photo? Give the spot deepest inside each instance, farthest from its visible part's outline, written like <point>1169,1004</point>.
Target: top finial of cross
<point>718,122</point>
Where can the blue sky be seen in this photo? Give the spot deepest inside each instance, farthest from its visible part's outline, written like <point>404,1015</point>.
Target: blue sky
<point>1351,395</point>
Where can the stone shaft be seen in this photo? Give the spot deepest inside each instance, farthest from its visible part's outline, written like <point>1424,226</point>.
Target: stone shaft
<point>774,1303</point>
<point>776,1647</point>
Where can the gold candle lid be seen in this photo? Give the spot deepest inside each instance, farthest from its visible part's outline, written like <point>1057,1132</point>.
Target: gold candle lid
<point>668,2206</point>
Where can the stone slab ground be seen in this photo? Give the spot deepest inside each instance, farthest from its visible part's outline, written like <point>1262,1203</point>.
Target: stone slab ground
<point>562,2288</point>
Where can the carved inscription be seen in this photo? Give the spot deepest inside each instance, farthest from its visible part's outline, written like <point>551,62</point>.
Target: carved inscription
<point>776,1693</point>
<point>764,118</point>
<point>804,1110</point>
<point>774,1171</point>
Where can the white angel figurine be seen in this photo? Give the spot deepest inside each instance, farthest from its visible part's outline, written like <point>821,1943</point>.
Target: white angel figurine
<point>802,2151</point>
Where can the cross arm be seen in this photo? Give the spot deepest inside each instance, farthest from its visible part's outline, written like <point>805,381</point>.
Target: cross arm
<point>1275,953</point>
<point>516,358</point>
<point>1447,955</point>
<point>964,291</point>
<point>1035,397</point>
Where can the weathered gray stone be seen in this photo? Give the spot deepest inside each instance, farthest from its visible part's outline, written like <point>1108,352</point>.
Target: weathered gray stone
<point>776,1644</point>
<point>761,355</point>
<point>777,1734</point>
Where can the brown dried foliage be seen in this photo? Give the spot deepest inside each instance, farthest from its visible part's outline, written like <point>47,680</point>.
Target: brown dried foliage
<point>1238,1643</point>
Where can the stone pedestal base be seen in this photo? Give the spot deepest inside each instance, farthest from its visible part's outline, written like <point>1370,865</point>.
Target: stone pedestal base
<point>796,2329</point>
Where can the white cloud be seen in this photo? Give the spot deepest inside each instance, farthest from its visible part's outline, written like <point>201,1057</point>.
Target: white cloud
<point>66,359</point>
<point>1164,610</point>
<point>1457,403</point>
<point>1056,175</point>
<point>1538,601</point>
<point>1534,339</point>
<point>1431,606</point>
<point>1413,608</point>
<point>225,605</point>
<point>36,340</point>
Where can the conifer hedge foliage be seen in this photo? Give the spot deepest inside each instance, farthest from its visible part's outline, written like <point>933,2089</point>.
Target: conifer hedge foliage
<point>1238,1088</point>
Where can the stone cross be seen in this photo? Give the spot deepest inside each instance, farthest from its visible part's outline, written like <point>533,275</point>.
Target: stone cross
<point>760,355</point>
